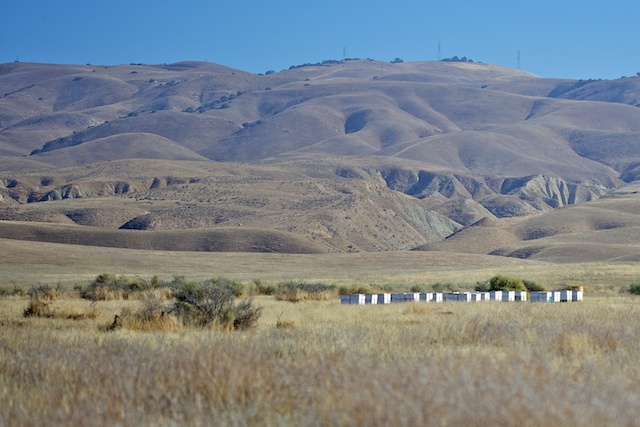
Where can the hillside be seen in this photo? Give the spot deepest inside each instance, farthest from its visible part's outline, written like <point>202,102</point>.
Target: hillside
<point>341,156</point>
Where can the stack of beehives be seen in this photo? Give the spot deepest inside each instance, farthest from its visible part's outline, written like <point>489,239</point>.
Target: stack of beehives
<point>574,294</point>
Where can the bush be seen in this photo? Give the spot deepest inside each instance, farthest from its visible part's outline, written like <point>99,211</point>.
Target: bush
<point>43,292</point>
<point>15,290</point>
<point>418,288</point>
<point>444,287</point>
<point>634,288</point>
<point>296,292</point>
<point>237,288</point>
<point>506,283</point>
<point>482,286</point>
<point>213,302</point>
<point>152,316</point>
<point>38,308</point>
<point>533,286</point>
<point>109,287</point>
<point>264,289</point>
<point>351,290</point>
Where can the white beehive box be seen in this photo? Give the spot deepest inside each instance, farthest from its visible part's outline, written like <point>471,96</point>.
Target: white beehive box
<point>438,297</point>
<point>426,296</point>
<point>521,296</point>
<point>556,296</point>
<point>464,296</point>
<point>357,299</point>
<point>384,298</point>
<point>566,296</point>
<point>412,297</point>
<point>495,295</point>
<point>577,295</point>
<point>508,295</point>
<point>371,299</point>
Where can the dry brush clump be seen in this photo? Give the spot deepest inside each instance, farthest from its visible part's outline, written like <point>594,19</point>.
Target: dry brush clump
<point>212,302</point>
<point>192,304</point>
<point>41,304</point>
<point>302,291</point>
<point>111,287</point>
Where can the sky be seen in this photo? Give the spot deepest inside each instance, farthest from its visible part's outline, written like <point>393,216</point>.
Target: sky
<point>560,38</point>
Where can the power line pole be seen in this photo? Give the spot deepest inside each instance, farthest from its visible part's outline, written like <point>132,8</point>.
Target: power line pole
<point>439,51</point>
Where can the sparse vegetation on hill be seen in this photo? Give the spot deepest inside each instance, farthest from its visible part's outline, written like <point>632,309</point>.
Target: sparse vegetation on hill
<point>339,156</point>
<point>456,59</point>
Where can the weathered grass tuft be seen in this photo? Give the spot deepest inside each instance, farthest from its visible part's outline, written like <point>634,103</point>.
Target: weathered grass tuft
<point>38,307</point>
<point>417,308</point>
<point>42,307</point>
<point>302,291</point>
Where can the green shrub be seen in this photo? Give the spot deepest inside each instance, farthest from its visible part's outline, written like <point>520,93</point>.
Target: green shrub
<point>212,302</point>
<point>634,288</point>
<point>506,283</point>
<point>482,286</point>
<point>351,290</point>
<point>417,288</point>
<point>8,291</point>
<point>533,286</point>
<point>445,287</point>
<point>109,287</point>
<point>237,288</point>
<point>266,289</point>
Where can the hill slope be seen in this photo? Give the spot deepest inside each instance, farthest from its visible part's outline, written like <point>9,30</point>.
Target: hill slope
<point>354,155</point>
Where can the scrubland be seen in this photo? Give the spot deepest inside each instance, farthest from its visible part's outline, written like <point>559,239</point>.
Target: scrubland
<point>322,363</point>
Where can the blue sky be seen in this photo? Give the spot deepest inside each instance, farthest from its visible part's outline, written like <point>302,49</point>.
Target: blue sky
<point>561,38</point>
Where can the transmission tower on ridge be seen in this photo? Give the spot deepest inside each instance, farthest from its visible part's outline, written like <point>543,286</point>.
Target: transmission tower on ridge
<point>519,64</point>
<point>439,51</point>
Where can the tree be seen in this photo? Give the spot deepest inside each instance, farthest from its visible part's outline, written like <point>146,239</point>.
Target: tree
<point>397,61</point>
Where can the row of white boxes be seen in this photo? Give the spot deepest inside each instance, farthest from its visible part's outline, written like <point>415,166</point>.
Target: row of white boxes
<point>555,296</point>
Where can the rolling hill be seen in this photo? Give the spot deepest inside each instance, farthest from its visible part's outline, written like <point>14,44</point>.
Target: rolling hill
<point>339,156</point>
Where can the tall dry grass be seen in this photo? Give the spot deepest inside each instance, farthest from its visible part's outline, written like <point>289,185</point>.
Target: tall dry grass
<point>450,364</point>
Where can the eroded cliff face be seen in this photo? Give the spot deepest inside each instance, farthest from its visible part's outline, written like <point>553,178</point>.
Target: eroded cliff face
<point>467,199</point>
<point>553,191</point>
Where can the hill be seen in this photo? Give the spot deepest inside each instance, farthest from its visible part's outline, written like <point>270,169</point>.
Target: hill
<point>340,156</point>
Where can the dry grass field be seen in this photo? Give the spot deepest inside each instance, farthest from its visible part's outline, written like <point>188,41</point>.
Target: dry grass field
<point>355,174</point>
<point>322,363</point>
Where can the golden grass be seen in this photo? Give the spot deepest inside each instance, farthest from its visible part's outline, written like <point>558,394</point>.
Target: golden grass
<point>28,263</point>
<point>323,363</point>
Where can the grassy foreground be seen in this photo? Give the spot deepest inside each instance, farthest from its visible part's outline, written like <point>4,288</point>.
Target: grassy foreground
<point>321,363</point>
